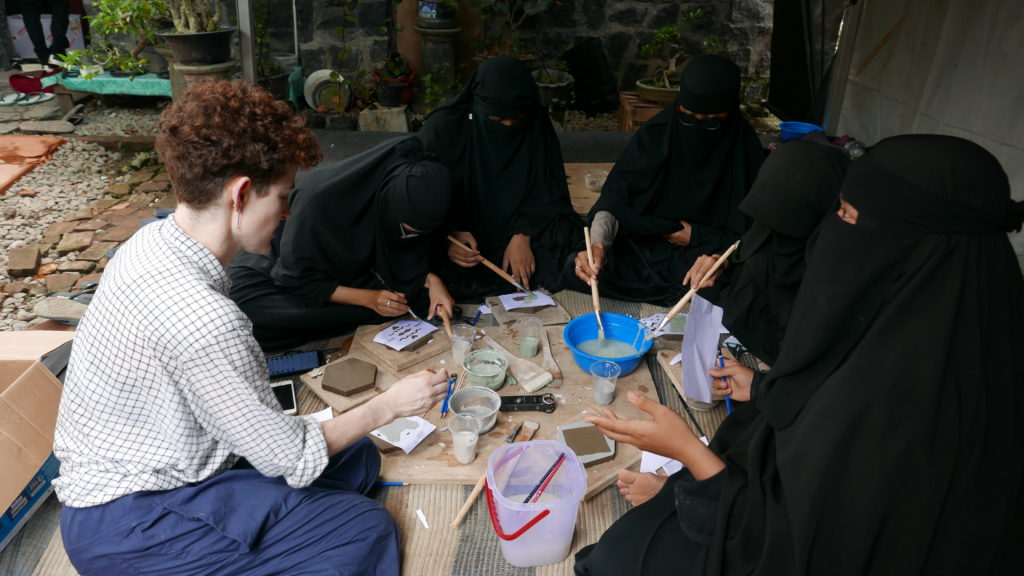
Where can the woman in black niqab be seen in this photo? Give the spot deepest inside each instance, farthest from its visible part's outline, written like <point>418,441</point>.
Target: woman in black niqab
<point>359,228</point>
<point>886,440</point>
<point>508,178</point>
<point>679,177</point>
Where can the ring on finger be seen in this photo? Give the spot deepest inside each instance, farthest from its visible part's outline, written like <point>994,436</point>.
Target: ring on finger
<point>388,305</point>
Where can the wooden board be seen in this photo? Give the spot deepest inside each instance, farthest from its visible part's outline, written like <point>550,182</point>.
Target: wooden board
<point>675,375</point>
<point>432,462</point>
<point>437,343</point>
<point>547,315</point>
<point>314,380</point>
<point>582,198</point>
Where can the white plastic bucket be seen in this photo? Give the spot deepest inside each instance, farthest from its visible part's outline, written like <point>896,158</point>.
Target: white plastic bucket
<point>539,531</point>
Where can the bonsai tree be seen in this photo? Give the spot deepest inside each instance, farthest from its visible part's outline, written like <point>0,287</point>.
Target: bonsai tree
<point>505,17</point>
<point>136,19</point>
<point>190,16</point>
<point>668,45</point>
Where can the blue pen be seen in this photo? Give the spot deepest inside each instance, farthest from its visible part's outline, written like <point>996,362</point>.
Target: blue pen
<point>448,396</point>
<point>382,484</point>
<point>728,402</point>
<point>475,318</point>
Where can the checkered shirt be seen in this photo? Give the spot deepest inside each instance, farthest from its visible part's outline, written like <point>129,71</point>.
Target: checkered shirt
<point>166,385</point>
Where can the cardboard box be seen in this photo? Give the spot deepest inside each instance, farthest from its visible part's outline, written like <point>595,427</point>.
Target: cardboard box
<point>23,44</point>
<point>29,396</point>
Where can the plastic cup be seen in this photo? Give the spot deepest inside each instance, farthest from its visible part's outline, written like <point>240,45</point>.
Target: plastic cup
<point>465,429</point>
<point>605,374</point>
<point>486,368</point>
<point>462,342</point>
<point>528,328</point>
<point>483,403</point>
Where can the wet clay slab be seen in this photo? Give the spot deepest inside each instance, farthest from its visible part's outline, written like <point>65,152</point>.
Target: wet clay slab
<point>586,440</point>
<point>349,376</point>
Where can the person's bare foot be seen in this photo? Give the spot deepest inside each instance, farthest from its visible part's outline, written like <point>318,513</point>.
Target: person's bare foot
<point>637,487</point>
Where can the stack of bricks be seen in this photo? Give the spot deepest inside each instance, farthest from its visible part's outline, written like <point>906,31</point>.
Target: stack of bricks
<point>634,111</point>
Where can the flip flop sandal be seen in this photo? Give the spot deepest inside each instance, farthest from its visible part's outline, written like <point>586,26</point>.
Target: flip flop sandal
<point>35,98</point>
<point>11,98</point>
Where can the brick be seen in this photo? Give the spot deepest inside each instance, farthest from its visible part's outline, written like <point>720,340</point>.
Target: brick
<point>96,251</point>
<point>77,266</point>
<point>23,261</point>
<point>153,186</point>
<point>36,290</point>
<point>60,228</point>
<point>26,193</point>
<point>119,189</point>
<point>61,282</point>
<point>118,233</point>
<point>140,176</point>
<point>84,214</point>
<point>74,242</point>
<point>105,203</point>
<point>93,225</point>
<point>14,287</point>
<point>87,278</point>
<point>166,201</point>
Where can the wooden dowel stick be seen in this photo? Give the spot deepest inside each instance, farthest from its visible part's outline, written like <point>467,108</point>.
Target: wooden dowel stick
<point>508,277</point>
<point>593,285</point>
<point>689,294</point>
<point>447,321</point>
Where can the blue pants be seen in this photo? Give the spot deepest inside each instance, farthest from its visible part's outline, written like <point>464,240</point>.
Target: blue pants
<point>241,522</point>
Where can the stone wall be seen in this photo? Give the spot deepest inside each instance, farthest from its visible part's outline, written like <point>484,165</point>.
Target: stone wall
<point>742,26</point>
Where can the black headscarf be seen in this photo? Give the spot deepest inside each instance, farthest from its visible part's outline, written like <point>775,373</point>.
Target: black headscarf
<point>670,171</point>
<point>346,217</point>
<point>797,186</point>
<point>508,179</point>
<point>890,430</point>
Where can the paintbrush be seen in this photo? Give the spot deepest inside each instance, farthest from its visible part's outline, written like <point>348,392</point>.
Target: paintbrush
<point>593,285</point>
<point>386,287</point>
<point>508,277</point>
<point>690,293</point>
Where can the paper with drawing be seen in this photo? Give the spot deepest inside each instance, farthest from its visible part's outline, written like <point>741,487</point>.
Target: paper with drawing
<point>521,300</point>
<point>406,433</point>
<point>403,333</point>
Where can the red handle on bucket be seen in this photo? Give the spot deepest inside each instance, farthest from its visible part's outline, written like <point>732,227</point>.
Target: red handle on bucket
<point>497,524</point>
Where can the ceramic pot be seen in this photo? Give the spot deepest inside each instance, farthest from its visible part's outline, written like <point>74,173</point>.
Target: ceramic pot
<point>200,48</point>
<point>659,95</point>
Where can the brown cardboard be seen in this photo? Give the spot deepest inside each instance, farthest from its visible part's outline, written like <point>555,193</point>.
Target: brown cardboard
<point>29,396</point>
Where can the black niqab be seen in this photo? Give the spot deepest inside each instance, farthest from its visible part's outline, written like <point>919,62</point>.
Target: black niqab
<point>508,179</point>
<point>671,172</point>
<point>889,433</point>
<point>797,186</point>
<point>346,220</point>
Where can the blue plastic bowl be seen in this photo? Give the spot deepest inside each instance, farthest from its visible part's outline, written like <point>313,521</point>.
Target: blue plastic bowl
<point>794,130</point>
<point>616,327</point>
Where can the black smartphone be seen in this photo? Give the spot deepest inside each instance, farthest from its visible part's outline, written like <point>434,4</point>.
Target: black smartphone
<point>284,389</point>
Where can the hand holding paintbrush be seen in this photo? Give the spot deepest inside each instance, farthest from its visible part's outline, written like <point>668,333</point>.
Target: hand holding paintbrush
<point>508,277</point>
<point>692,291</point>
<point>593,285</point>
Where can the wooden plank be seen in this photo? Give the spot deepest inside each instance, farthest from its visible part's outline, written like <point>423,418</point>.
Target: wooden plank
<point>675,375</point>
<point>582,198</point>
<point>547,315</point>
<point>437,342</point>
<point>432,462</point>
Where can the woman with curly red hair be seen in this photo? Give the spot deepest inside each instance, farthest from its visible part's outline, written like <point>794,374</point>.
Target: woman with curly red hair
<point>175,455</point>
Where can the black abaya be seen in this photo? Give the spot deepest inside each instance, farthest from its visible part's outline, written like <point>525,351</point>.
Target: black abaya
<point>886,440</point>
<point>345,229</point>
<point>507,179</point>
<point>671,172</point>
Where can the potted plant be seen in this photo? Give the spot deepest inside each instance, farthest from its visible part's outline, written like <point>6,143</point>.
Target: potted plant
<point>198,38</point>
<point>555,84</point>
<point>394,81</point>
<point>440,14</point>
<point>124,32</point>
<point>668,46</point>
<point>502,20</point>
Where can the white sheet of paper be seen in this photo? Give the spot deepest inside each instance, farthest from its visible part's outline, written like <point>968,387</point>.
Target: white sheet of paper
<point>403,333</point>
<point>406,433</point>
<point>323,415</point>
<point>519,300</point>
<point>485,309</point>
<point>676,359</point>
<point>651,462</point>
<point>700,348</point>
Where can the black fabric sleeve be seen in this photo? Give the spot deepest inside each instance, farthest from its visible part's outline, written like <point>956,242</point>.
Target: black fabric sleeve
<point>697,505</point>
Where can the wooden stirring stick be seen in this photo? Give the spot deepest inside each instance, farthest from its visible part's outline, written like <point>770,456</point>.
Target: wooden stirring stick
<point>447,321</point>
<point>527,431</point>
<point>593,285</point>
<point>689,294</point>
<point>508,277</point>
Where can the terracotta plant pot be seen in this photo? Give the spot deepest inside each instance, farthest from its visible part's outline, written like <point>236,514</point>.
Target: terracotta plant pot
<point>655,94</point>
